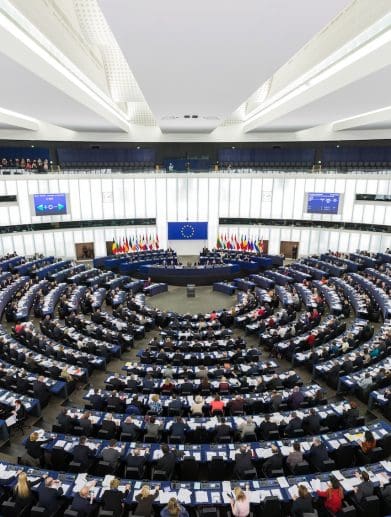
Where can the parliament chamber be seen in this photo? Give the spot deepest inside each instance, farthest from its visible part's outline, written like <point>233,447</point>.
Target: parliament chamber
<point>195,258</point>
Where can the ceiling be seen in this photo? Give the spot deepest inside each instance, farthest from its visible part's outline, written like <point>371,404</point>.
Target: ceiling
<point>147,70</point>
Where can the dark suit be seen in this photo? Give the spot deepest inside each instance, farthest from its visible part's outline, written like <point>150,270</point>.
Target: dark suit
<point>81,454</point>
<point>267,427</point>
<point>295,423</point>
<point>273,463</point>
<point>112,456</point>
<point>167,463</point>
<point>112,500</point>
<point>82,505</point>
<point>223,430</point>
<point>365,489</point>
<point>48,497</point>
<point>295,399</point>
<point>242,463</point>
<point>312,423</point>
<point>317,454</point>
<point>41,392</point>
<point>109,425</point>
<point>97,402</point>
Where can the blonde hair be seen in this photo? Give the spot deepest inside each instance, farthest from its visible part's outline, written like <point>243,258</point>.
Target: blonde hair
<point>239,494</point>
<point>144,492</point>
<point>22,488</point>
<point>34,436</point>
<point>114,483</point>
<point>173,507</point>
<point>155,397</point>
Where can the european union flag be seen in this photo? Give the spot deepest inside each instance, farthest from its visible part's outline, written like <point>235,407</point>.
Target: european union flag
<point>187,231</point>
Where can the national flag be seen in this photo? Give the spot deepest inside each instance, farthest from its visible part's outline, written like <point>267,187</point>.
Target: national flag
<point>244,243</point>
<point>157,241</point>
<point>218,243</point>
<point>261,245</point>
<point>256,246</point>
<point>114,247</point>
<point>126,245</point>
<point>229,243</point>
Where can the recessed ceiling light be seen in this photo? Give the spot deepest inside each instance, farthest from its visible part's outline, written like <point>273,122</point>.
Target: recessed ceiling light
<point>233,147</point>
<point>337,146</point>
<point>138,147</point>
<point>33,146</point>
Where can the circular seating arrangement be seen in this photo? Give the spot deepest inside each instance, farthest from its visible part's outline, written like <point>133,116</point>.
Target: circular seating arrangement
<point>266,395</point>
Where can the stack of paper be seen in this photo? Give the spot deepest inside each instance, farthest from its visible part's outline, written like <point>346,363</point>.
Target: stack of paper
<point>184,496</point>
<point>201,496</point>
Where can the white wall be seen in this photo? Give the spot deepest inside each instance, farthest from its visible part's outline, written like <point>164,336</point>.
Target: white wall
<point>194,197</point>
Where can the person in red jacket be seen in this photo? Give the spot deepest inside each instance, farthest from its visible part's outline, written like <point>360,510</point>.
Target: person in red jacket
<point>311,340</point>
<point>333,496</point>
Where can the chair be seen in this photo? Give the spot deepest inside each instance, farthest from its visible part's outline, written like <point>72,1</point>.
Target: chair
<point>189,469</point>
<point>107,513</point>
<point>224,439</point>
<point>370,506</point>
<point>344,456</point>
<point>40,511</point>
<point>327,466</point>
<point>176,439</point>
<point>272,507</point>
<point>8,509</point>
<point>76,467</point>
<point>250,474</point>
<point>249,437</point>
<point>302,468</point>
<point>207,511</point>
<point>217,469</point>
<point>103,468</point>
<point>159,475</point>
<point>134,473</point>
<point>71,513</point>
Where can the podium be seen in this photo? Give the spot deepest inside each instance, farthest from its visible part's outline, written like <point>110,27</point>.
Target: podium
<point>190,290</point>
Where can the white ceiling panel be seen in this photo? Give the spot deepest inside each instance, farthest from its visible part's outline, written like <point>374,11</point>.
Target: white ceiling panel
<point>367,94</point>
<point>205,58</point>
<point>25,93</point>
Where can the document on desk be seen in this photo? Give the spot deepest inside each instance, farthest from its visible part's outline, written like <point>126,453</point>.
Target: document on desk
<point>201,496</point>
<point>65,488</point>
<point>164,497</point>
<point>184,496</point>
<point>334,444</point>
<point>386,465</point>
<point>282,482</point>
<point>315,484</point>
<point>349,484</point>
<point>293,491</point>
<point>5,474</point>
<point>215,497</point>
<point>337,474</point>
<point>277,492</point>
<point>255,496</point>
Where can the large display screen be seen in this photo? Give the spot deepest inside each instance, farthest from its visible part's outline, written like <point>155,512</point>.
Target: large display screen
<point>187,231</point>
<point>322,203</point>
<point>50,204</point>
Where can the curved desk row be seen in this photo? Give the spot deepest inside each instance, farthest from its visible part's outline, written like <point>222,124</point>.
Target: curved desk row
<point>201,275</point>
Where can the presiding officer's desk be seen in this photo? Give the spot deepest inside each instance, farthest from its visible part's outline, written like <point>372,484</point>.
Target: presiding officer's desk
<point>183,275</point>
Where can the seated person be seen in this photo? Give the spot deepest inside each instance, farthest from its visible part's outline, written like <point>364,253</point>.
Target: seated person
<point>275,462</point>
<point>216,405</point>
<point>82,454</point>
<point>167,461</point>
<point>317,454</point>
<point>113,499</point>
<point>365,488</point>
<point>247,427</point>
<point>111,455</point>
<point>49,493</point>
<point>294,423</point>
<point>295,457</point>
<point>243,462</point>
<point>333,496</point>
<point>303,503</point>
<point>83,502</point>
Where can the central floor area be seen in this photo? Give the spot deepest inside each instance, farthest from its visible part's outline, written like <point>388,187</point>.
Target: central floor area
<point>205,300</point>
